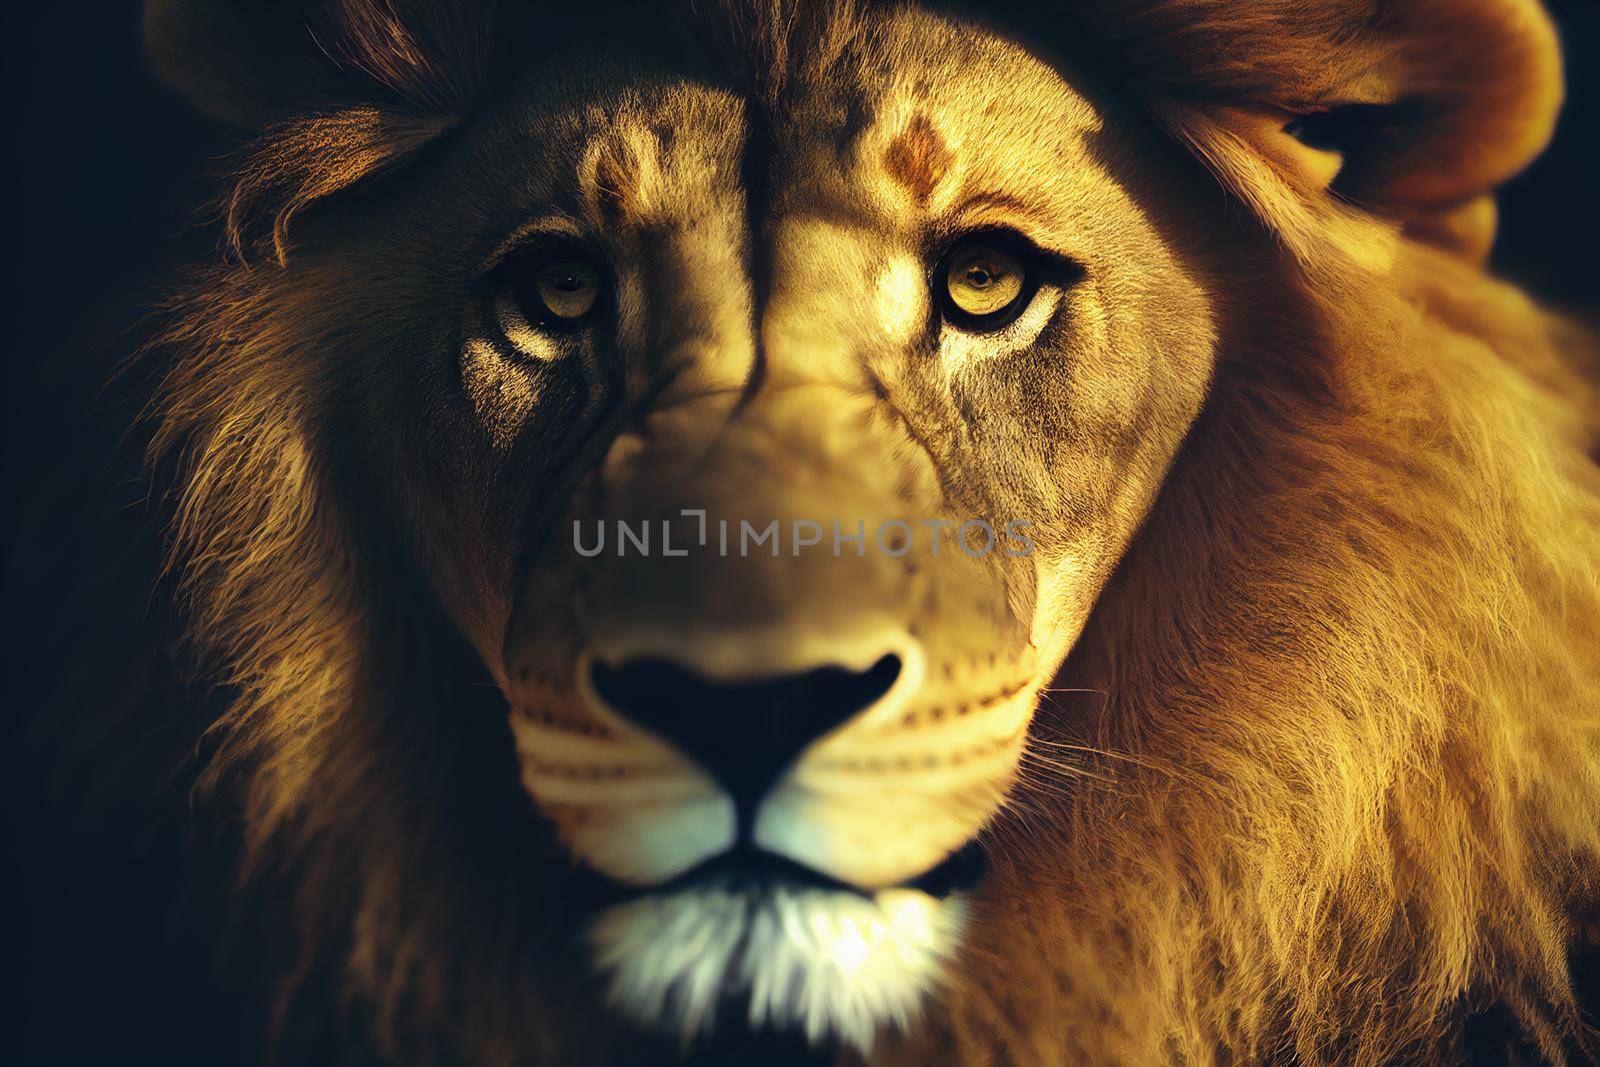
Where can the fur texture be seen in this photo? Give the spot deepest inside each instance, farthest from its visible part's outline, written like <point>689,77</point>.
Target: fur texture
<point>1400,842</point>
<point>825,963</point>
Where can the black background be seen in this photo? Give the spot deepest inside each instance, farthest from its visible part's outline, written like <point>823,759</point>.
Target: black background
<point>112,169</point>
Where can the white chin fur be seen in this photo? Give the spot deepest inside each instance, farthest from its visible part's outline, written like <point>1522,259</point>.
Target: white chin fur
<point>830,963</point>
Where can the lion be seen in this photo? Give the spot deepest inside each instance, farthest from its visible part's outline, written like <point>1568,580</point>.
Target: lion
<point>914,532</point>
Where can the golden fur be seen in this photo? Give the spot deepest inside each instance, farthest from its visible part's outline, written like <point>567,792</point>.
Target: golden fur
<point>1322,773</point>
<point>1415,820</point>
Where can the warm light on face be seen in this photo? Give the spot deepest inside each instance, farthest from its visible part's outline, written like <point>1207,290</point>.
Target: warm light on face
<point>901,299</point>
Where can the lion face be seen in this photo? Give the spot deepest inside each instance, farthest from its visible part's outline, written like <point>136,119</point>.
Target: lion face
<point>793,448</point>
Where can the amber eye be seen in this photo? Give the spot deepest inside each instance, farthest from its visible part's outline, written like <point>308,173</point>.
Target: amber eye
<point>564,290</point>
<point>552,287</point>
<point>986,283</point>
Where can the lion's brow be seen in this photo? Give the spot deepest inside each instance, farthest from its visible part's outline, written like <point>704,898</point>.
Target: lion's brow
<point>917,158</point>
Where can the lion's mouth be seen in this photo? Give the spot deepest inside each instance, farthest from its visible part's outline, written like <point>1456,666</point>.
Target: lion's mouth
<point>778,829</point>
<point>748,868</point>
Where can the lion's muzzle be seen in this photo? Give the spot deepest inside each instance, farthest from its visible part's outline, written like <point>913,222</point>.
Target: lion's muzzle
<point>744,733</point>
<point>829,694</point>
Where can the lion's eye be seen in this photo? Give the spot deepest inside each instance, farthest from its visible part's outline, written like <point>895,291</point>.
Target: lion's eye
<point>557,292</point>
<point>985,284</point>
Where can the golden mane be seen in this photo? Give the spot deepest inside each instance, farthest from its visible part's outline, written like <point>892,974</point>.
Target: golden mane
<point>1334,761</point>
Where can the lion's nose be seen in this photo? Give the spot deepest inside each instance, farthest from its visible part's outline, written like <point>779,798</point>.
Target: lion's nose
<point>745,733</point>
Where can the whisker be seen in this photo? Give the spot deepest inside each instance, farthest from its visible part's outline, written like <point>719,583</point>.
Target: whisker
<point>1092,750</point>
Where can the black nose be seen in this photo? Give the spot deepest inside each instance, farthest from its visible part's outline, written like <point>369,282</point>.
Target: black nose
<point>744,733</point>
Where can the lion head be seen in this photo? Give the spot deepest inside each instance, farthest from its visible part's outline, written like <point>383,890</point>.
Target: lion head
<point>786,517</point>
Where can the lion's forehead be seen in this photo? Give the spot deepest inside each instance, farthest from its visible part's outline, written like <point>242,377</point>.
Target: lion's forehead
<point>931,125</point>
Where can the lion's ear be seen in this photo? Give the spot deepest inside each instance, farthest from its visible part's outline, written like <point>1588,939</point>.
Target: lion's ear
<point>1427,105</point>
<point>256,62</point>
<point>339,90</point>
